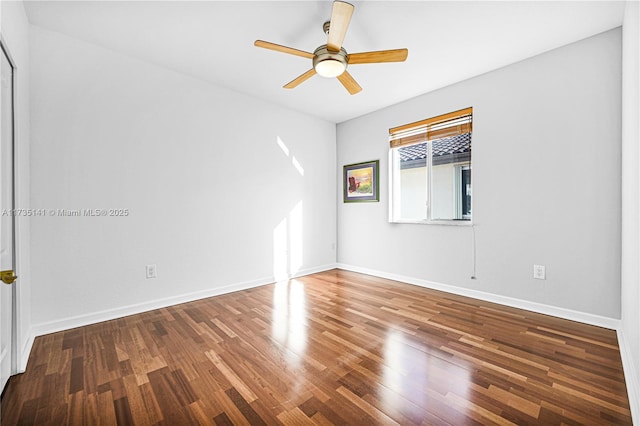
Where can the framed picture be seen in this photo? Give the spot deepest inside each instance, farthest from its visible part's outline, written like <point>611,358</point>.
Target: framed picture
<point>361,183</point>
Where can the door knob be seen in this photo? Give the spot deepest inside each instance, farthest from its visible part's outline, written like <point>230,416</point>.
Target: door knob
<point>8,277</point>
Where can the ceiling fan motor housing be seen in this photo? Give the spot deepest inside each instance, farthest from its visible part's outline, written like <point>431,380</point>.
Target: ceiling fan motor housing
<point>328,63</point>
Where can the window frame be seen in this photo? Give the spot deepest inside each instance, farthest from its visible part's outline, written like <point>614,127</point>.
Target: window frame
<point>394,170</point>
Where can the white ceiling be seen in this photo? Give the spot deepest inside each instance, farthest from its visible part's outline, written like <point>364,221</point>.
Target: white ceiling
<point>213,40</point>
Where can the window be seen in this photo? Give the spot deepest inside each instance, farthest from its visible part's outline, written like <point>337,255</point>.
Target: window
<point>431,169</point>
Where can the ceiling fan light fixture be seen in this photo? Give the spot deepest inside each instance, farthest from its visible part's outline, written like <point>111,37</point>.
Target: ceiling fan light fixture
<point>329,64</point>
<point>330,68</point>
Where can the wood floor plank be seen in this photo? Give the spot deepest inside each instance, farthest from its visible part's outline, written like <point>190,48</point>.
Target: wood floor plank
<point>330,348</point>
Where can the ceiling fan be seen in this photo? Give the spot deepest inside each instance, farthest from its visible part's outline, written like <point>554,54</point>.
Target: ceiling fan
<point>331,60</point>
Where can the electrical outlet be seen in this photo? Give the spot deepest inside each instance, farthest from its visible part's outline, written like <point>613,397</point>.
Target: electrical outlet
<point>152,271</point>
<point>539,272</point>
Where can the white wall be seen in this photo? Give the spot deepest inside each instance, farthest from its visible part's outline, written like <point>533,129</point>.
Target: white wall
<point>630,332</point>
<point>546,185</point>
<point>214,199</point>
<point>15,34</point>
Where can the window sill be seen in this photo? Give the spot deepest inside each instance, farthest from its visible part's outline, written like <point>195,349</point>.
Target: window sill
<point>435,222</point>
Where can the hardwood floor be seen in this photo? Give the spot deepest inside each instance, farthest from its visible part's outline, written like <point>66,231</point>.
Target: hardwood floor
<point>331,348</point>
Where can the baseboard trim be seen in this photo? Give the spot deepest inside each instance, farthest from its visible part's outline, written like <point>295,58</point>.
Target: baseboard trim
<point>630,376</point>
<point>23,357</point>
<point>583,317</point>
<point>110,314</point>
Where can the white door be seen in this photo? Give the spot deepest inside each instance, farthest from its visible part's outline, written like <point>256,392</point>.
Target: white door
<point>7,220</point>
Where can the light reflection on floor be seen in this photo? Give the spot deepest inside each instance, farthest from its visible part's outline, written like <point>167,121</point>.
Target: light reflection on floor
<point>289,325</point>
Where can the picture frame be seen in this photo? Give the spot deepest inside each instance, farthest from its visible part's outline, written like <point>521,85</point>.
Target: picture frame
<point>361,182</point>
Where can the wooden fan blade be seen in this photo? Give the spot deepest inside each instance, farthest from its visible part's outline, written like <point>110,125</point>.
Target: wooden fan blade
<point>283,49</point>
<point>396,55</point>
<point>340,18</point>
<point>349,83</point>
<point>296,81</point>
